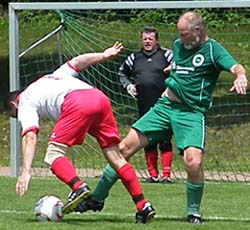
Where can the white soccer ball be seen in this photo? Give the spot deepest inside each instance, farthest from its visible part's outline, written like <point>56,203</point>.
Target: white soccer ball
<point>49,208</point>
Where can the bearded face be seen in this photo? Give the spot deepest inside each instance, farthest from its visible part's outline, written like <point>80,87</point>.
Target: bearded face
<point>192,44</point>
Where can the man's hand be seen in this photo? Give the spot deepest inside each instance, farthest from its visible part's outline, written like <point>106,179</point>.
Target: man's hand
<point>167,69</point>
<point>131,90</point>
<point>22,184</point>
<point>240,84</point>
<point>112,51</point>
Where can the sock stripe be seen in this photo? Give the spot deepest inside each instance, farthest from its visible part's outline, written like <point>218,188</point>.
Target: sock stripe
<point>138,198</point>
<point>73,181</point>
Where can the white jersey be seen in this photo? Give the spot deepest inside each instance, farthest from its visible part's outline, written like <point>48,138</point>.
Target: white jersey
<point>44,97</point>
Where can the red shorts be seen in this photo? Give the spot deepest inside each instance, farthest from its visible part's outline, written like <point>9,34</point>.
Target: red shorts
<point>82,112</point>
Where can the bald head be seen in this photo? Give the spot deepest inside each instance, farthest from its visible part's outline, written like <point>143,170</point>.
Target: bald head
<point>190,27</point>
<point>191,20</point>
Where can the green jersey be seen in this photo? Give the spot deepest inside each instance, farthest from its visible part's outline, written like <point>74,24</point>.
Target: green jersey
<point>195,72</point>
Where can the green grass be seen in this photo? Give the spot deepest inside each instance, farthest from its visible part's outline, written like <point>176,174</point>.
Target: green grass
<point>225,206</point>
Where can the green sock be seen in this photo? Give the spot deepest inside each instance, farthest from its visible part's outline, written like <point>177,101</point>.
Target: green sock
<point>107,180</point>
<point>194,196</point>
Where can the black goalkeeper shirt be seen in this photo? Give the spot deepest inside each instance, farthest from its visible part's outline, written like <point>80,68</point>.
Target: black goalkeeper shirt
<point>145,70</point>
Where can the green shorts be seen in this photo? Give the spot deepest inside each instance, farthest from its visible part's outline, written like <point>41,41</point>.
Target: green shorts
<point>167,117</point>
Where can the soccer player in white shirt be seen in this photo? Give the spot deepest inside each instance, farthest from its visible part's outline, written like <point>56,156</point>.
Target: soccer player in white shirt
<point>77,109</point>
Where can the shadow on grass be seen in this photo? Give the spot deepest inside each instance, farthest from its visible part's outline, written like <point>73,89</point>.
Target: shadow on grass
<point>77,219</point>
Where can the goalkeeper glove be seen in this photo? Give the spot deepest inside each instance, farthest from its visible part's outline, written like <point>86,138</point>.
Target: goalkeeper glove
<point>131,90</point>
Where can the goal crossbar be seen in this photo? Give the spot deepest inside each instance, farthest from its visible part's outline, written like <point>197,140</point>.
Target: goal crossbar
<point>129,5</point>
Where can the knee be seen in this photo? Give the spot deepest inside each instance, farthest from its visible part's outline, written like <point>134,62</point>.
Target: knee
<point>193,160</point>
<point>132,143</point>
<point>54,150</point>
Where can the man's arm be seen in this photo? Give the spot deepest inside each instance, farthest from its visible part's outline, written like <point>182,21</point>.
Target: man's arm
<point>167,69</point>
<point>168,54</point>
<point>124,73</point>
<point>240,83</point>
<point>29,141</point>
<point>85,60</point>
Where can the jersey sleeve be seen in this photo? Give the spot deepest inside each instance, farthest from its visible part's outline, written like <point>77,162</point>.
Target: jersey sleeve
<point>222,58</point>
<point>28,117</point>
<point>66,70</point>
<point>168,54</point>
<point>125,70</point>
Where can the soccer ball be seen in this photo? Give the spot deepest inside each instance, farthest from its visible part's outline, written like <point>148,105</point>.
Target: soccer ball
<point>49,208</point>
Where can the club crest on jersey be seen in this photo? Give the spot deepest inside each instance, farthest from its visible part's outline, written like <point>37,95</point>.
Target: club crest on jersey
<point>198,60</point>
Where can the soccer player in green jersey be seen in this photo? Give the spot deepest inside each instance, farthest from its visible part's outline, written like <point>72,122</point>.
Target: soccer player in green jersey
<point>197,63</point>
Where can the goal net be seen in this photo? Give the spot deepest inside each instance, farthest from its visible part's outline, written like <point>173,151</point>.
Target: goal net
<point>50,33</point>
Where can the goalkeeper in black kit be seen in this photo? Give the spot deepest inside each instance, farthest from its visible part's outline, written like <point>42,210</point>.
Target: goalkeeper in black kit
<point>142,75</point>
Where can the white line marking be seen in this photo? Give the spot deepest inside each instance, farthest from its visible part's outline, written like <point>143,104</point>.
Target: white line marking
<point>156,216</point>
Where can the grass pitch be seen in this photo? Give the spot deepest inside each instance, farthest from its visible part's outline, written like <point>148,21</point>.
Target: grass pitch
<point>224,206</point>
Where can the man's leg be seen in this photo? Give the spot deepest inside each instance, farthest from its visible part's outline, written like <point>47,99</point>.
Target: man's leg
<point>105,183</point>
<point>166,160</point>
<point>194,184</point>
<point>65,171</point>
<point>194,196</point>
<point>126,173</point>
<point>145,210</point>
<point>116,157</point>
<point>128,177</point>
<point>97,198</point>
<point>128,146</point>
<point>151,156</point>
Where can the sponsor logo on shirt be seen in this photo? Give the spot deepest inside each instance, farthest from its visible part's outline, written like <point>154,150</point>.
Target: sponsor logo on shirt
<point>182,69</point>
